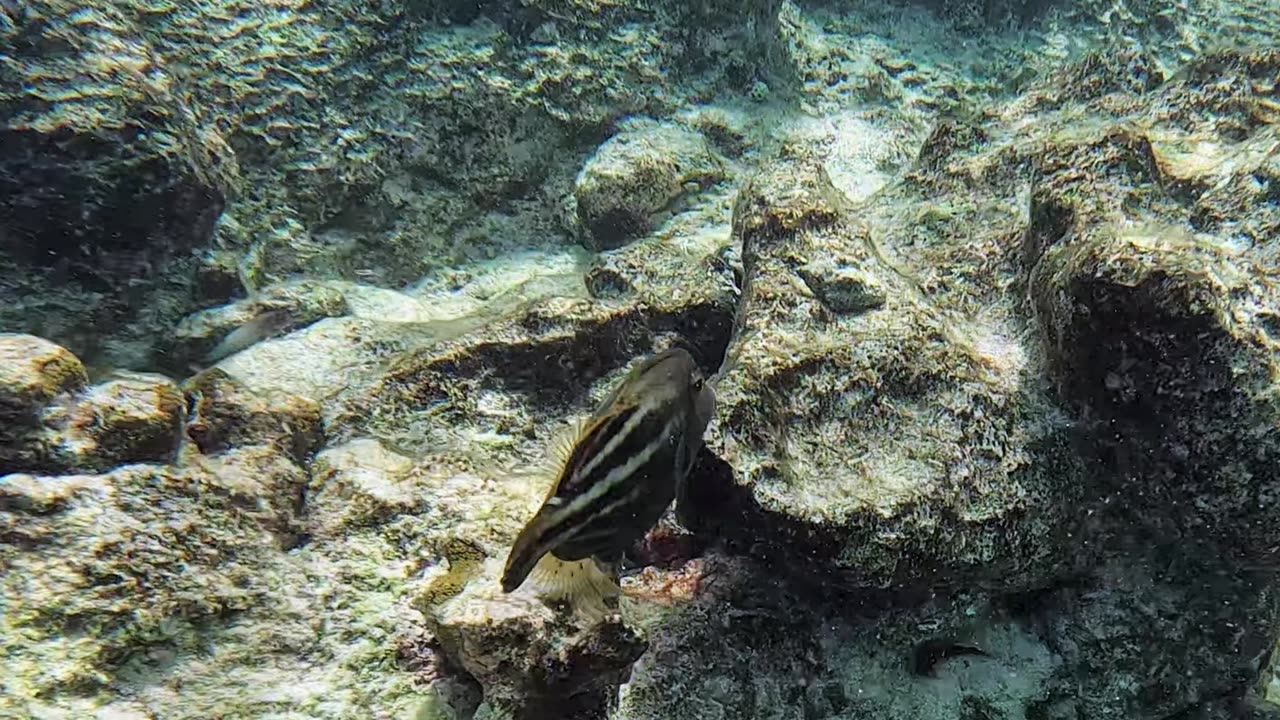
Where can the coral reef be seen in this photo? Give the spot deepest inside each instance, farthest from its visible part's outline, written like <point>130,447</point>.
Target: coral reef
<point>993,314</point>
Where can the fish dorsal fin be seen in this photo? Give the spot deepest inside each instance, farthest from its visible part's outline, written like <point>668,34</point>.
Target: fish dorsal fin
<point>560,450</point>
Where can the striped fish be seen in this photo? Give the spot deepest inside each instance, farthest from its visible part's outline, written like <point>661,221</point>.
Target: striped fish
<point>615,476</point>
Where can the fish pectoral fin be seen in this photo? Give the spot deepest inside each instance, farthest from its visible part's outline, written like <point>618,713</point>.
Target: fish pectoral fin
<point>581,583</point>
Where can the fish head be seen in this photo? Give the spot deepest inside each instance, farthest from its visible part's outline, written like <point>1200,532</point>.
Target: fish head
<point>673,380</point>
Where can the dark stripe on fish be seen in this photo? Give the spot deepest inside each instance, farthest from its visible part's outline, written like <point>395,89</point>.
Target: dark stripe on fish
<point>600,533</point>
<point>630,487</point>
<point>592,445</point>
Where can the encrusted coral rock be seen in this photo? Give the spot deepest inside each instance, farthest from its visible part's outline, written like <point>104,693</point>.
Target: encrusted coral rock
<point>360,483</point>
<point>146,177</point>
<point>224,414</point>
<point>842,285</point>
<point>267,485</point>
<point>1160,336</point>
<point>133,418</point>
<point>32,372</point>
<point>899,444</point>
<point>98,567</point>
<point>531,661</point>
<point>1225,625</point>
<point>636,175</point>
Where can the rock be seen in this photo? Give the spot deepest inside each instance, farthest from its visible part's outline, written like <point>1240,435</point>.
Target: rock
<point>1156,336</point>
<point>225,414</point>
<point>1246,708</point>
<point>108,181</point>
<point>53,422</point>
<point>361,483</point>
<point>801,658</point>
<point>165,553</point>
<point>530,662</point>
<point>84,130</point>
<point>218,278</point>
<point>636,175</point>
<point>897,446</point>
<point>32,372</point>
<point>266,485</point>
<point>1224,622</point>
<point>134,418</point>
<point>842,285</point>
<point>494,385</point>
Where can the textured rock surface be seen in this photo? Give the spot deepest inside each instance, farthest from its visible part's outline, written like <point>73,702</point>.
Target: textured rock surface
<point>54,421</point>
<point>110,178</point>
<point>130,419</point>
<point>374,153</point>
<point>225,414</point>
<point>297,305</point>
<point>936,416</point>
<point>1148,327</point>
<point>98,567</point>
<point>32,372</point>
<point>896,443</point>
<point>530,662</point>
<point>638,174</point>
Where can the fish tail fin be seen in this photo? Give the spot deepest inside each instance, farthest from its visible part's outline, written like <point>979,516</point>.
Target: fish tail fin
<point>582,583</point>
<point>525,554</point>
<point>531,544</point>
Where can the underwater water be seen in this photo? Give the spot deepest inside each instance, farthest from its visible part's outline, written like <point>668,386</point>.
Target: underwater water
<point>639,359</point>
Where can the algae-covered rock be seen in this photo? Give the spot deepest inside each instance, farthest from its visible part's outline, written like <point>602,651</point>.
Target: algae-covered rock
<point>266,484</point>
<point>52,421</point>
<point>755,646</point>
<point>499,383</point>
<point>1159,337</point>
<point>32,372</point>
<point>104,118</point>
<point>225,414</point>
<point>361,483</point>
<point>1115,634</point>
<point>888,441</point>
<point>531,662</point>
<point>636,175</point>
<point>96,568</point>
<point>133,418</point>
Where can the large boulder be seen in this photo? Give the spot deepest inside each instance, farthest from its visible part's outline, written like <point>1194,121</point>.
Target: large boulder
<point>637,175</point>
<point>877,436</point>
<point>53,421</point>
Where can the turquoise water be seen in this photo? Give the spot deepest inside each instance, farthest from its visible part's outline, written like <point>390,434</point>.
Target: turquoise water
<point>308,309</point>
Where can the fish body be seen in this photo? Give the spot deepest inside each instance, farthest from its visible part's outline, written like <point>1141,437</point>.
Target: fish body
<point>258,328</point>
<point>614,478</point>
<point>928,654</point>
